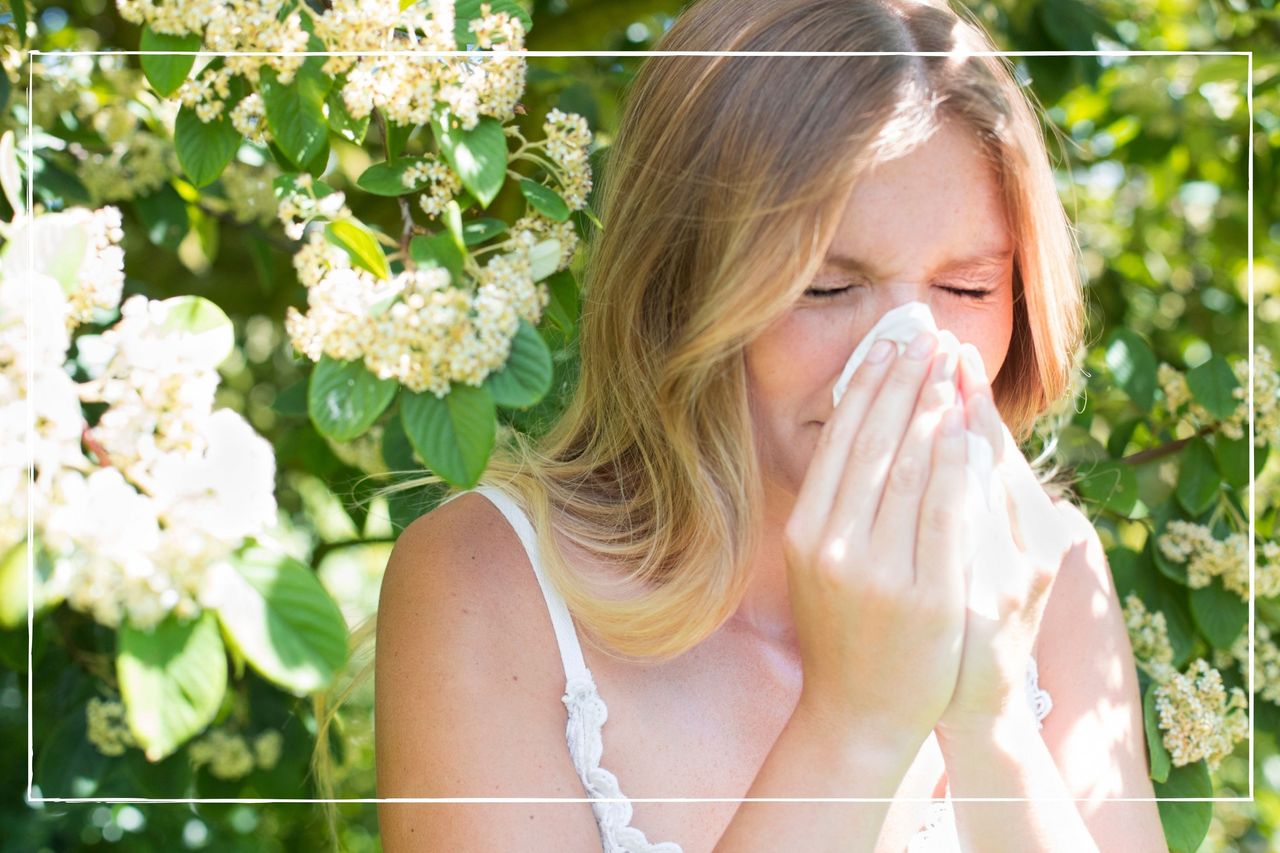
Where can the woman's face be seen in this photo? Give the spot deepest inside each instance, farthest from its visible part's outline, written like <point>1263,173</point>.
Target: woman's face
<point>917,228</point>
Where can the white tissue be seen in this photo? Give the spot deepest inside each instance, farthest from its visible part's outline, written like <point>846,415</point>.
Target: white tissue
<point>984,489</point>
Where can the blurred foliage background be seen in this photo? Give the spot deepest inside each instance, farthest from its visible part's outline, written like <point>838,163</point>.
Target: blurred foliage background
<point>1152,158</point>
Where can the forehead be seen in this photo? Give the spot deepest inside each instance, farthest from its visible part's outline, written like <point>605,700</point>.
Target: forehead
<point>936,206</point>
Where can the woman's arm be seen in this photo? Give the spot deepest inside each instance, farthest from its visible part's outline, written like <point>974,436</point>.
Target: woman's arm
<point>1092,746</point>
<point>813,757</point>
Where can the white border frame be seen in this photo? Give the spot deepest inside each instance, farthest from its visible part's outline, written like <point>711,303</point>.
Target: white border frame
<point>638,53</point>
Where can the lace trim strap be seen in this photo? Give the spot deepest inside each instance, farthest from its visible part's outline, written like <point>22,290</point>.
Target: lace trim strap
<point>575,667</point>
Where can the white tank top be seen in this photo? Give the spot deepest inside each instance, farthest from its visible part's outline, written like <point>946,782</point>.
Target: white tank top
<point>587,714</point>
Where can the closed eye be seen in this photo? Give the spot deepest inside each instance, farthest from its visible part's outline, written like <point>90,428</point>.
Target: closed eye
<point>965,293</point>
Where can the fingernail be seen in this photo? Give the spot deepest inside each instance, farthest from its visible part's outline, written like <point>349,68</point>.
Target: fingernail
<point>880,351</point>
<point>921,345</point>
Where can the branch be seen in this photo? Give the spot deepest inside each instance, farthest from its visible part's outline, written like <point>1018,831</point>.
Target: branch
<point>1172,447</point>
<point>324,549</point>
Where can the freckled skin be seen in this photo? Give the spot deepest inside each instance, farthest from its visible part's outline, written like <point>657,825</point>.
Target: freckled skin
<point>907,219</point>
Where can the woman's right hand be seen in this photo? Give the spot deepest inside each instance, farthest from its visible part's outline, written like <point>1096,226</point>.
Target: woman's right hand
<point>873,548</point>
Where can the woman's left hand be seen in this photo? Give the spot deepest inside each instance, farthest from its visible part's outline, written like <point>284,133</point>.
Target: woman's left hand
<point>1022,554</point>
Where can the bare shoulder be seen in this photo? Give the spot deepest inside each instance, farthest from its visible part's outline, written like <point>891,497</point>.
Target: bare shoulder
<point>468,683</point>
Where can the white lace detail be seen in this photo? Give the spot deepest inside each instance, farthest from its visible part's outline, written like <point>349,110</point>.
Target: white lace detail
<point>587,713</point>
<point>938,833</point>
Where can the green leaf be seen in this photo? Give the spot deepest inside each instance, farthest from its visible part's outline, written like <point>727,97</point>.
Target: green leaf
<point>13,586</point>
<point>479,230</point>
<point>360,244</point>
<point>1232,458</point>
<point>205,331</point>
<point>1198,478</point>
<point>387,178</point>
<point>204,150</point>
<point>1185,824</point>
<point>171,679</point>
<point>454,435</point>
<point>1133,365</point>
<point>1120,435</point>
<point>1212,384</point>
<point>526,377</point>
<point>545,200</point>
<point>1219,613</point>
<point>344,398</point>
<point>19,8</point>
<point>341,121</point>
<point>438,250</point>
<point>453,223</point>
<point>464,11</point>
<point>477,156</point>
<point>1112,484</point>
<point>562,308</point>
<point>294,111</point>
<point>544,257</point>
<point>67,764</point>
<point>163,214</point>
<point>278,615</point>
<point>398,137</point>
<point>1155,739</point>
<point>165,73</point>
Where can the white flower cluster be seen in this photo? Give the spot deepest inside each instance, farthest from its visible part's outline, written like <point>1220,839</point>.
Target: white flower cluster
<point>431,334</point>
<point>1149,635</point>
<point>567,140</point>
<point>1198,718</point>
<point>1266,399</point>
<point>107,729</point>
<point>1207,557</point>
<point>296,209</point>
<point>174,487</point>
<point>136,165</point>
<point>1266,660</point>
<point>230,755</point>
<point>444,184</point>
<point>405,88</point>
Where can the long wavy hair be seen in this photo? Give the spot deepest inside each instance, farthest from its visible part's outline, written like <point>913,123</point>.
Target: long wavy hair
<point>721,193</point>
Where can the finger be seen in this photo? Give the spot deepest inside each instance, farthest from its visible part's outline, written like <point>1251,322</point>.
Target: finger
<point>986,422</point>
<point>893,532</point>
<point>973,372</point>
<point>942,538</point>
<point>1036,518</point>
<point>875,444</point>
<point>822,478</point>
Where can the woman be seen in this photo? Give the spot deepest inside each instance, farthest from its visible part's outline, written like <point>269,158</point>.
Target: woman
<point>769,587</point>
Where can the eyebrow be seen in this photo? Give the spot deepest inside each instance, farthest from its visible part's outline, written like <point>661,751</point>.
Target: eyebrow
<point>975,261</point>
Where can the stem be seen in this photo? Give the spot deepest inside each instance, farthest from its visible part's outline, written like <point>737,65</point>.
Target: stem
<point>1172,447</point>
<point>324,549</point>
<point>541,161</point>
<point>406,214</point>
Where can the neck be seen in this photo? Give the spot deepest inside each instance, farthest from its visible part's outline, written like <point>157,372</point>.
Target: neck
<point>766,606</point>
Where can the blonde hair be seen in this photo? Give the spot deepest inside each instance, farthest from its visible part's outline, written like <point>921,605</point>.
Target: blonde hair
<point>723,189</point>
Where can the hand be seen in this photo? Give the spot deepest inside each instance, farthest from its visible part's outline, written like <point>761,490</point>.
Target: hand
<point>874,554</point>
<point>1032,536</point>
